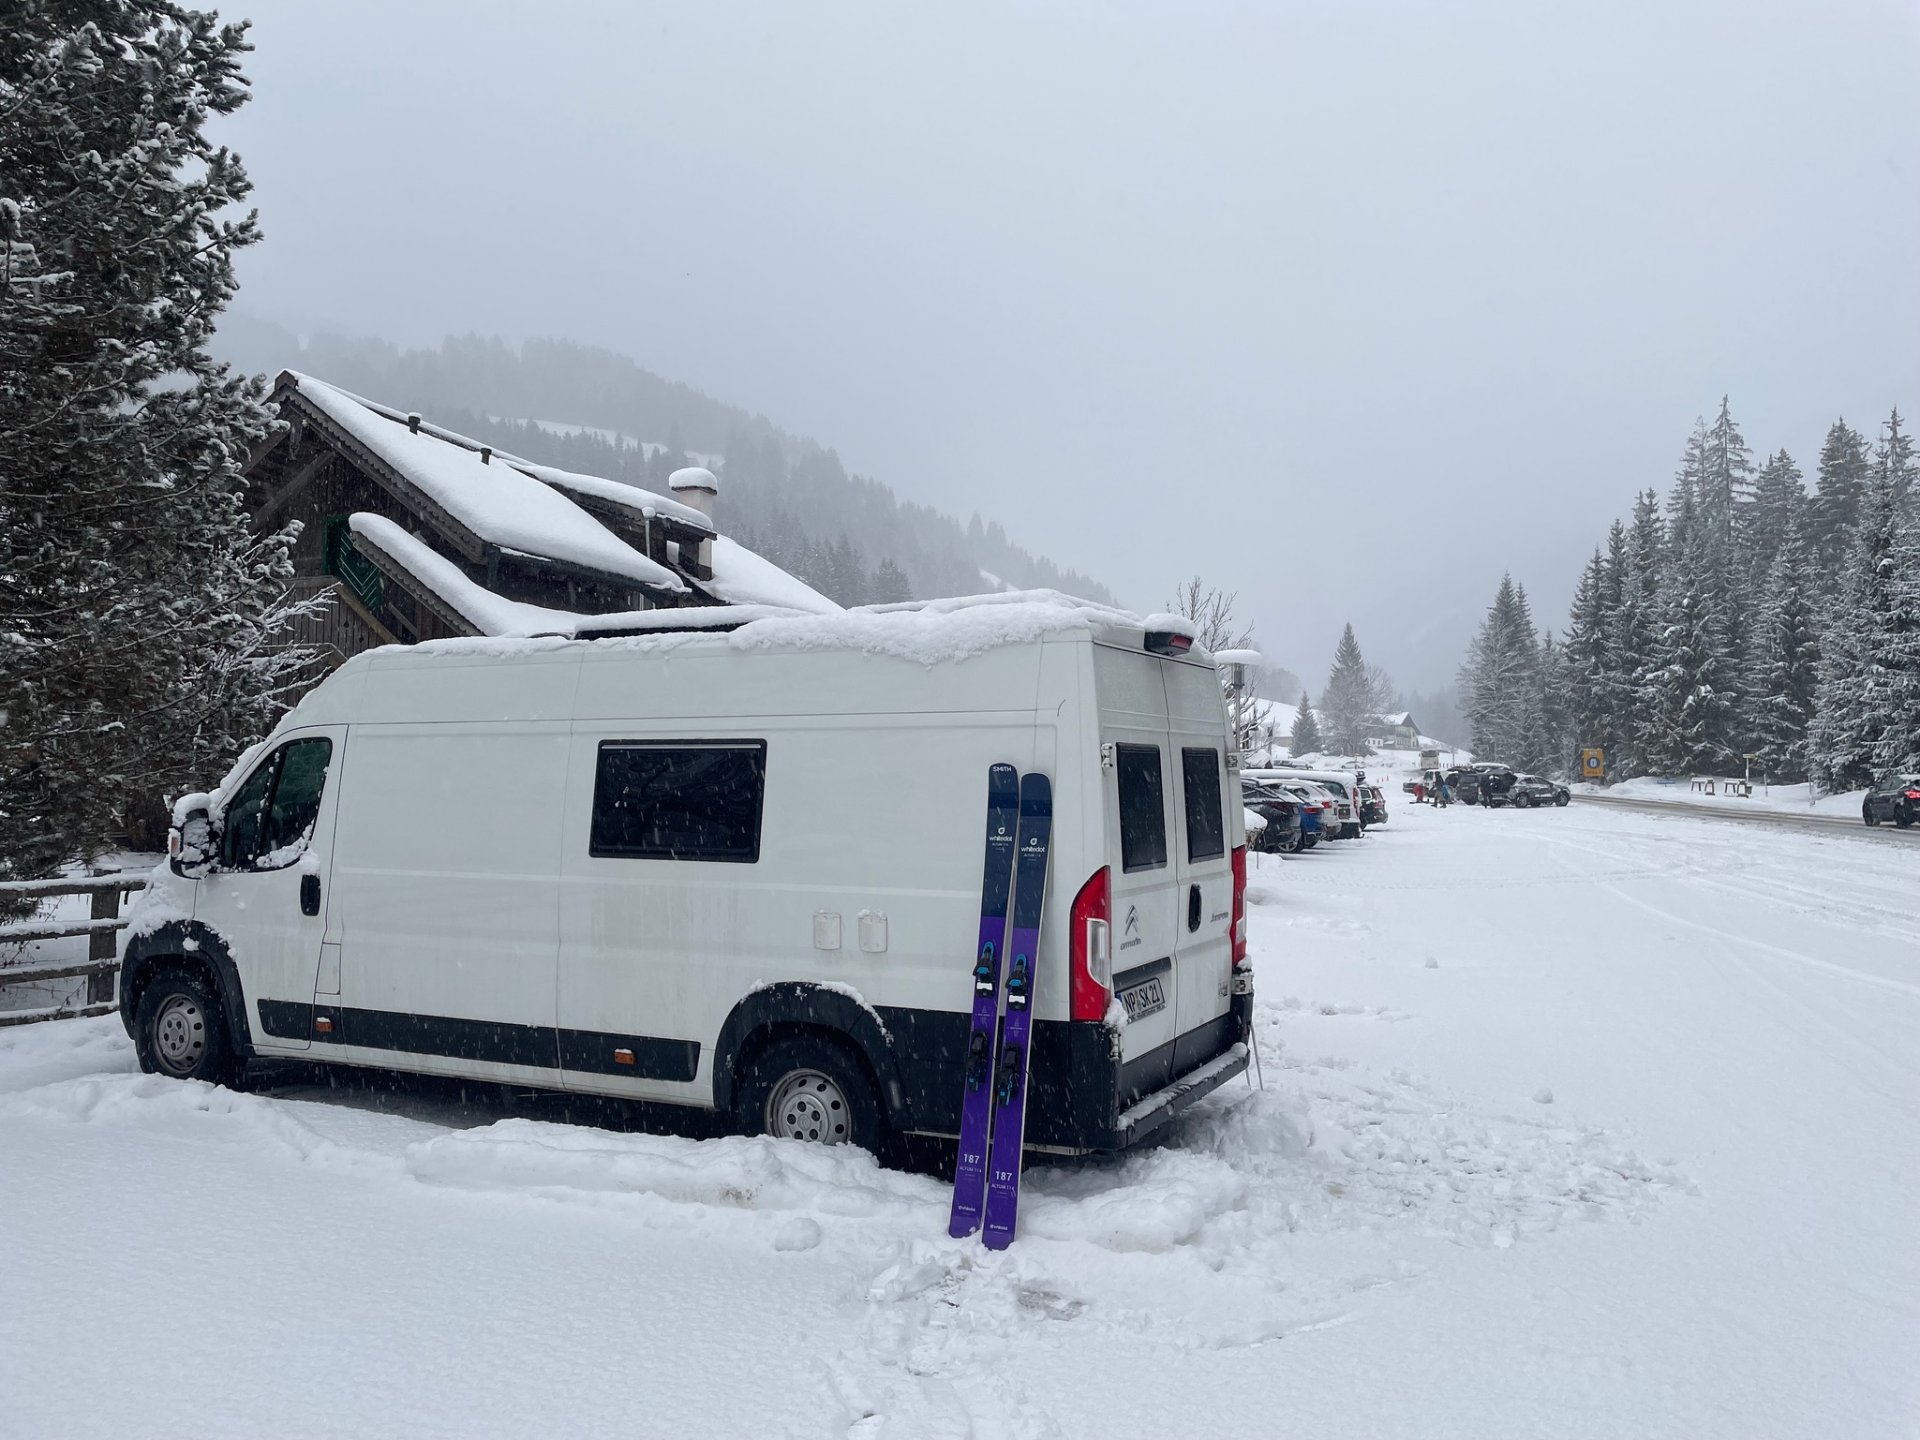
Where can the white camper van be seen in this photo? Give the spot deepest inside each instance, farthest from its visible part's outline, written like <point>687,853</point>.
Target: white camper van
<point>738,871</point>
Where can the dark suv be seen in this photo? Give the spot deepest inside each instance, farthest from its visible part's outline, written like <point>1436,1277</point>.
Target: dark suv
<point>1530,790</point>
<point>1896,798</point>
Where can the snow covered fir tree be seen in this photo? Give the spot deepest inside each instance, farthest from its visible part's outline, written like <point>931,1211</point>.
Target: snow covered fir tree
<point>1742,621</point>
<point>134,598</point>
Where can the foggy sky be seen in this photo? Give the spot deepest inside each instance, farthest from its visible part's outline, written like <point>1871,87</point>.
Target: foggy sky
<point>1346,308</point>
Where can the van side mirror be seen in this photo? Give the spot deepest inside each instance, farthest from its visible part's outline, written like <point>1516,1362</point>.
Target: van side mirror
<point>190,844</point>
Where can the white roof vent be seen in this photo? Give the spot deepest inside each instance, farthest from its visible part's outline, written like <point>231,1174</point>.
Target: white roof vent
<point>694,477</point>
<point>696,486</point>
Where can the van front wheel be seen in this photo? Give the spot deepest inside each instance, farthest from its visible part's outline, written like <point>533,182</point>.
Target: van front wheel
<point>809,1088</point>
<point>179,1030</point>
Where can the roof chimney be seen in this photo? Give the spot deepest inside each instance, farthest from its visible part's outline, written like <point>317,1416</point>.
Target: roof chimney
<point>695,486</point>
<point>413,423</point>
<point>486,454</point>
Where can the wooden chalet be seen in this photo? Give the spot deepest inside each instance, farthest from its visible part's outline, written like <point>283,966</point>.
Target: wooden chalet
<point>413,532</point>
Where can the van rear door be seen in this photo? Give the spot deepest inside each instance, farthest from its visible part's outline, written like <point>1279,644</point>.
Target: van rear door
<point>1137,773</point>
<point>1205,834</point>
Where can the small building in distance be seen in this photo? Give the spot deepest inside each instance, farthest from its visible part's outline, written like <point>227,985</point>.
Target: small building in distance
<point>1393,732</point>
<point>412,532</point>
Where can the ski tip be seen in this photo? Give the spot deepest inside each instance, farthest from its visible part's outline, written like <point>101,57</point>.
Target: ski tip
<point>1003,782</point>
<point>1036,793</point>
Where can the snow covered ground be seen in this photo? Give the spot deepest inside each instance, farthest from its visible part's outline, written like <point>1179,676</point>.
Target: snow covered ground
<point>1799,799</point>
<point>1576,1122</point>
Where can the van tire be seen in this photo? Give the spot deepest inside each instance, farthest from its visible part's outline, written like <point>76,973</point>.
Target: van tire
<point>811,1086</point>
<point>180,1030</point>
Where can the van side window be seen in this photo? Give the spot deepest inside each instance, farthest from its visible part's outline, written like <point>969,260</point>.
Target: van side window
<point>679,800</point>
<point>1143,811</point>
<point>1206,837</point>
<point>270,815</point>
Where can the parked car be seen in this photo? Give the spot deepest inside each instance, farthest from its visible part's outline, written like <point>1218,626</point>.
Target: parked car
<point>1465,782</point>
<point>1373,805</point>
<point>1315,806</point>
<point>1896,798</point>
<point>1492,783</point>
<point>1530,790</point>
<point>1346,823</point>
<point>730,877</point>
<point>1280,813</point>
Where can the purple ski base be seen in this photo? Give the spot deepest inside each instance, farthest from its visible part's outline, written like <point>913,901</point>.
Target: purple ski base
<point>976,1102</point>
<point>1009,1134</point>
<point>1010,1075</point>
<point>976,1099</point>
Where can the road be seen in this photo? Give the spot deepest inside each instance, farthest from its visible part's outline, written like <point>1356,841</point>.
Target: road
<point>1780,819</point>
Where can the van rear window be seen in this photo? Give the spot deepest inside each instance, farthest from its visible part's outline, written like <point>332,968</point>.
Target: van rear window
<point>1143,813</point>
<point>679,799</point>
<point>1206,834</point>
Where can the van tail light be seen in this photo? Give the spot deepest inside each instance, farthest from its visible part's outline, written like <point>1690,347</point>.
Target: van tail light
<point>1240,907</point>
<point>1913,794</point>
<point>1090,949</point>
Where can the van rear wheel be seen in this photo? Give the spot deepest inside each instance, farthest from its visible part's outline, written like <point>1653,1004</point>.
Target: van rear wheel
<point>809,1087</point>
<point>180,1030</point>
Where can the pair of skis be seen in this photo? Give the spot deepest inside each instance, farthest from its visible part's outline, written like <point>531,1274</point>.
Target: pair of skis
<point>993,1106</point>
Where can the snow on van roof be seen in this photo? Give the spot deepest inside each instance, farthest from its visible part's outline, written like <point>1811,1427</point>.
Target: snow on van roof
<point>929,632</point>
<point>498,502</point>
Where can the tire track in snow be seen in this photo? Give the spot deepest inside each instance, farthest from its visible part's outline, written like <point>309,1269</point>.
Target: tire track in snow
<point>1882,982</point>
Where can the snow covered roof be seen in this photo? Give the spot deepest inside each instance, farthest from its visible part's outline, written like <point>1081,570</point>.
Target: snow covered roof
<point>495,615</point>
<point>498,503</point>
<point>614,492</point>
<point>740,577</point>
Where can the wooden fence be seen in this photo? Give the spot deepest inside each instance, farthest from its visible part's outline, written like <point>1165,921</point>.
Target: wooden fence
<point>101,964</point>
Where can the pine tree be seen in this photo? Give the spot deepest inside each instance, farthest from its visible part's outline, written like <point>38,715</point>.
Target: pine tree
<point>1778,515</point>
<point>1833,512</point>
<point>1553,750</point>
<point>1500,683</point>
<point>1869,693</point>
<point>1690,480</point>
<point>1786,661</point>
<point>1893,456</point>
<point>1726,476</point>
<point>1352,697</point>
<point>1306,739</point>
<point>1584,658</point>
<point>1687,689</point>
<point>889,585</point>
<point>1634,625</point>
<point>135,605</point>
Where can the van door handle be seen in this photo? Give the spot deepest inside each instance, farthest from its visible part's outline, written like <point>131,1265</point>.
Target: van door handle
<point>1193,907</point>
<point>309,894</point>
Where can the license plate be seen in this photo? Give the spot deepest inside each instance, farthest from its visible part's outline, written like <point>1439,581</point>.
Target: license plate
<point>1144,999</point>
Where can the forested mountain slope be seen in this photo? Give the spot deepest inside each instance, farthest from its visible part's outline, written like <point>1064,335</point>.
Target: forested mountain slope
<point>787,496</point>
